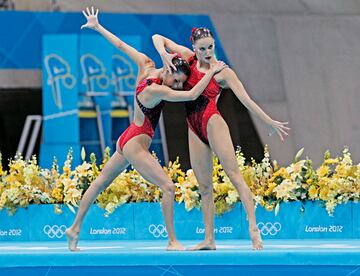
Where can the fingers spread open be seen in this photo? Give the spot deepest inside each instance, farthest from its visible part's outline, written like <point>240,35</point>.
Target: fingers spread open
<point>283,131</point>
<point>279,133</point>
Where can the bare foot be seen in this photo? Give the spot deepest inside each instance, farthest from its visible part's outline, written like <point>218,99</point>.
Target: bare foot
<point>175,246</point>
<point>205,245</point>
<point>256,238</point>
<point>72,238</point>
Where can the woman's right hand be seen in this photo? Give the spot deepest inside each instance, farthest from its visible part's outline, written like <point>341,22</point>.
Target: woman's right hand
<point>91,17</point>
<point>280,128</point>
<point>218,67</point>
<point>167,61</point>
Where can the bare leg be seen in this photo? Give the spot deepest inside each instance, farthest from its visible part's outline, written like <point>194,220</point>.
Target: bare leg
<point>201,163</point>
<point>150,169</point>
<point>111,170</point>
<point>220,142</point>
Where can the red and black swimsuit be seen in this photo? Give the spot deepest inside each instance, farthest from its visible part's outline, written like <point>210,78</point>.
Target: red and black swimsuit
<point>198,112</point>
<point>152,116</point>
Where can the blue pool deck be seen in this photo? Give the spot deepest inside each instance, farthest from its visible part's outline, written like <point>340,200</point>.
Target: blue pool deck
<point>233,257</point>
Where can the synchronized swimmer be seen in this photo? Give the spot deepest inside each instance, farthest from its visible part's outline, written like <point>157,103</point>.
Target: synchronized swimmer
<point>209,132</point>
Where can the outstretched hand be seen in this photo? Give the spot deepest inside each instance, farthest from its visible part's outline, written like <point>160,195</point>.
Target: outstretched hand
<point>91,17</point>
<point>280,128</point>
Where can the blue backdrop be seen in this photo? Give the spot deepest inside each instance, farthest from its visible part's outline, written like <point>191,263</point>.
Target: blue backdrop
<point>20,46</point>
<point>66,65</point>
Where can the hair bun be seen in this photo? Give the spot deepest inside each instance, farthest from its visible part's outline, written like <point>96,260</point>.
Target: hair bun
<point>198,33</point>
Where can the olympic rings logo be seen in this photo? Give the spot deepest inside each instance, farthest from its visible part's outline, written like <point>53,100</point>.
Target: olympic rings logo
<point>55,231</point>
<point>269,228</point>
<point>158,231</point>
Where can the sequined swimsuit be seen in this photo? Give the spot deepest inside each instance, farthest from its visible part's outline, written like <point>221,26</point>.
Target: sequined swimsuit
<point>198,112</point>
<point>152,116</point>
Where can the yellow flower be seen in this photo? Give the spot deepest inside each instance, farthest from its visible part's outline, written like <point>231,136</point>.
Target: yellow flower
<point>331,161</point>
<point>221,188</point>
<point>295,167</point>
<point>269,207</point>
<point>3,199</point>
<point>221,206</point>
<point>72,196</point>
<point>279,175</point>
<point>57,195</point>
<point>324,193</point>
<point>84,170</point>
<point>178,197</point>
<point>342,170</point>
<point>249,177</point>
<point>157,194</point>
<point>191,179</point>
<point>285,190</point>
<point>323,181</point>
<point>313,192</point>
<point>25,182</point>
<point>322,171</point>
<point>270,188</point>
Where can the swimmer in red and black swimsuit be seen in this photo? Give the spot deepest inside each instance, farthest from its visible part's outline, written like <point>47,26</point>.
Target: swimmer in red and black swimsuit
<point>209,132</point>
<point>153,87</point>
<point>152,116</point>
<point>199,112</point>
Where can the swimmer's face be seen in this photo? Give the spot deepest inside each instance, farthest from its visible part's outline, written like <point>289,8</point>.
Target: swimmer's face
<point>204,49</point>
<point>175,80</point>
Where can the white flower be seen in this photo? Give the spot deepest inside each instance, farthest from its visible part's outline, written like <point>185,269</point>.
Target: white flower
<point>232,197</point>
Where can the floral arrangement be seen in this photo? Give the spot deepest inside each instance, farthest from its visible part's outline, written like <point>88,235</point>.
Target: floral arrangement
<point>335,181</point>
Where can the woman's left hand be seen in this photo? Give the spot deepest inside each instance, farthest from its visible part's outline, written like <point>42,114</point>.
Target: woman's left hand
<point>219,66</point>
<point>280,128</point>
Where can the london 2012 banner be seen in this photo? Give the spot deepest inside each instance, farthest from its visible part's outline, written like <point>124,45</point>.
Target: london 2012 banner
<point>95,93</point>
<point>60,98</point>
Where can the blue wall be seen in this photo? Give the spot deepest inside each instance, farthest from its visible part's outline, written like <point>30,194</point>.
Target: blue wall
<point>20,44</point>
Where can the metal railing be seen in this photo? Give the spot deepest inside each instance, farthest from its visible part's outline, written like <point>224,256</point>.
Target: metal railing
<point>30,119</point>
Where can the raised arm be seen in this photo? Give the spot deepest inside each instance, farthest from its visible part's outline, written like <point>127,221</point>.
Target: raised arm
<point>233,82</point>
<point>162,44</point>
<point>92,22</point>
<point>163,92</point>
